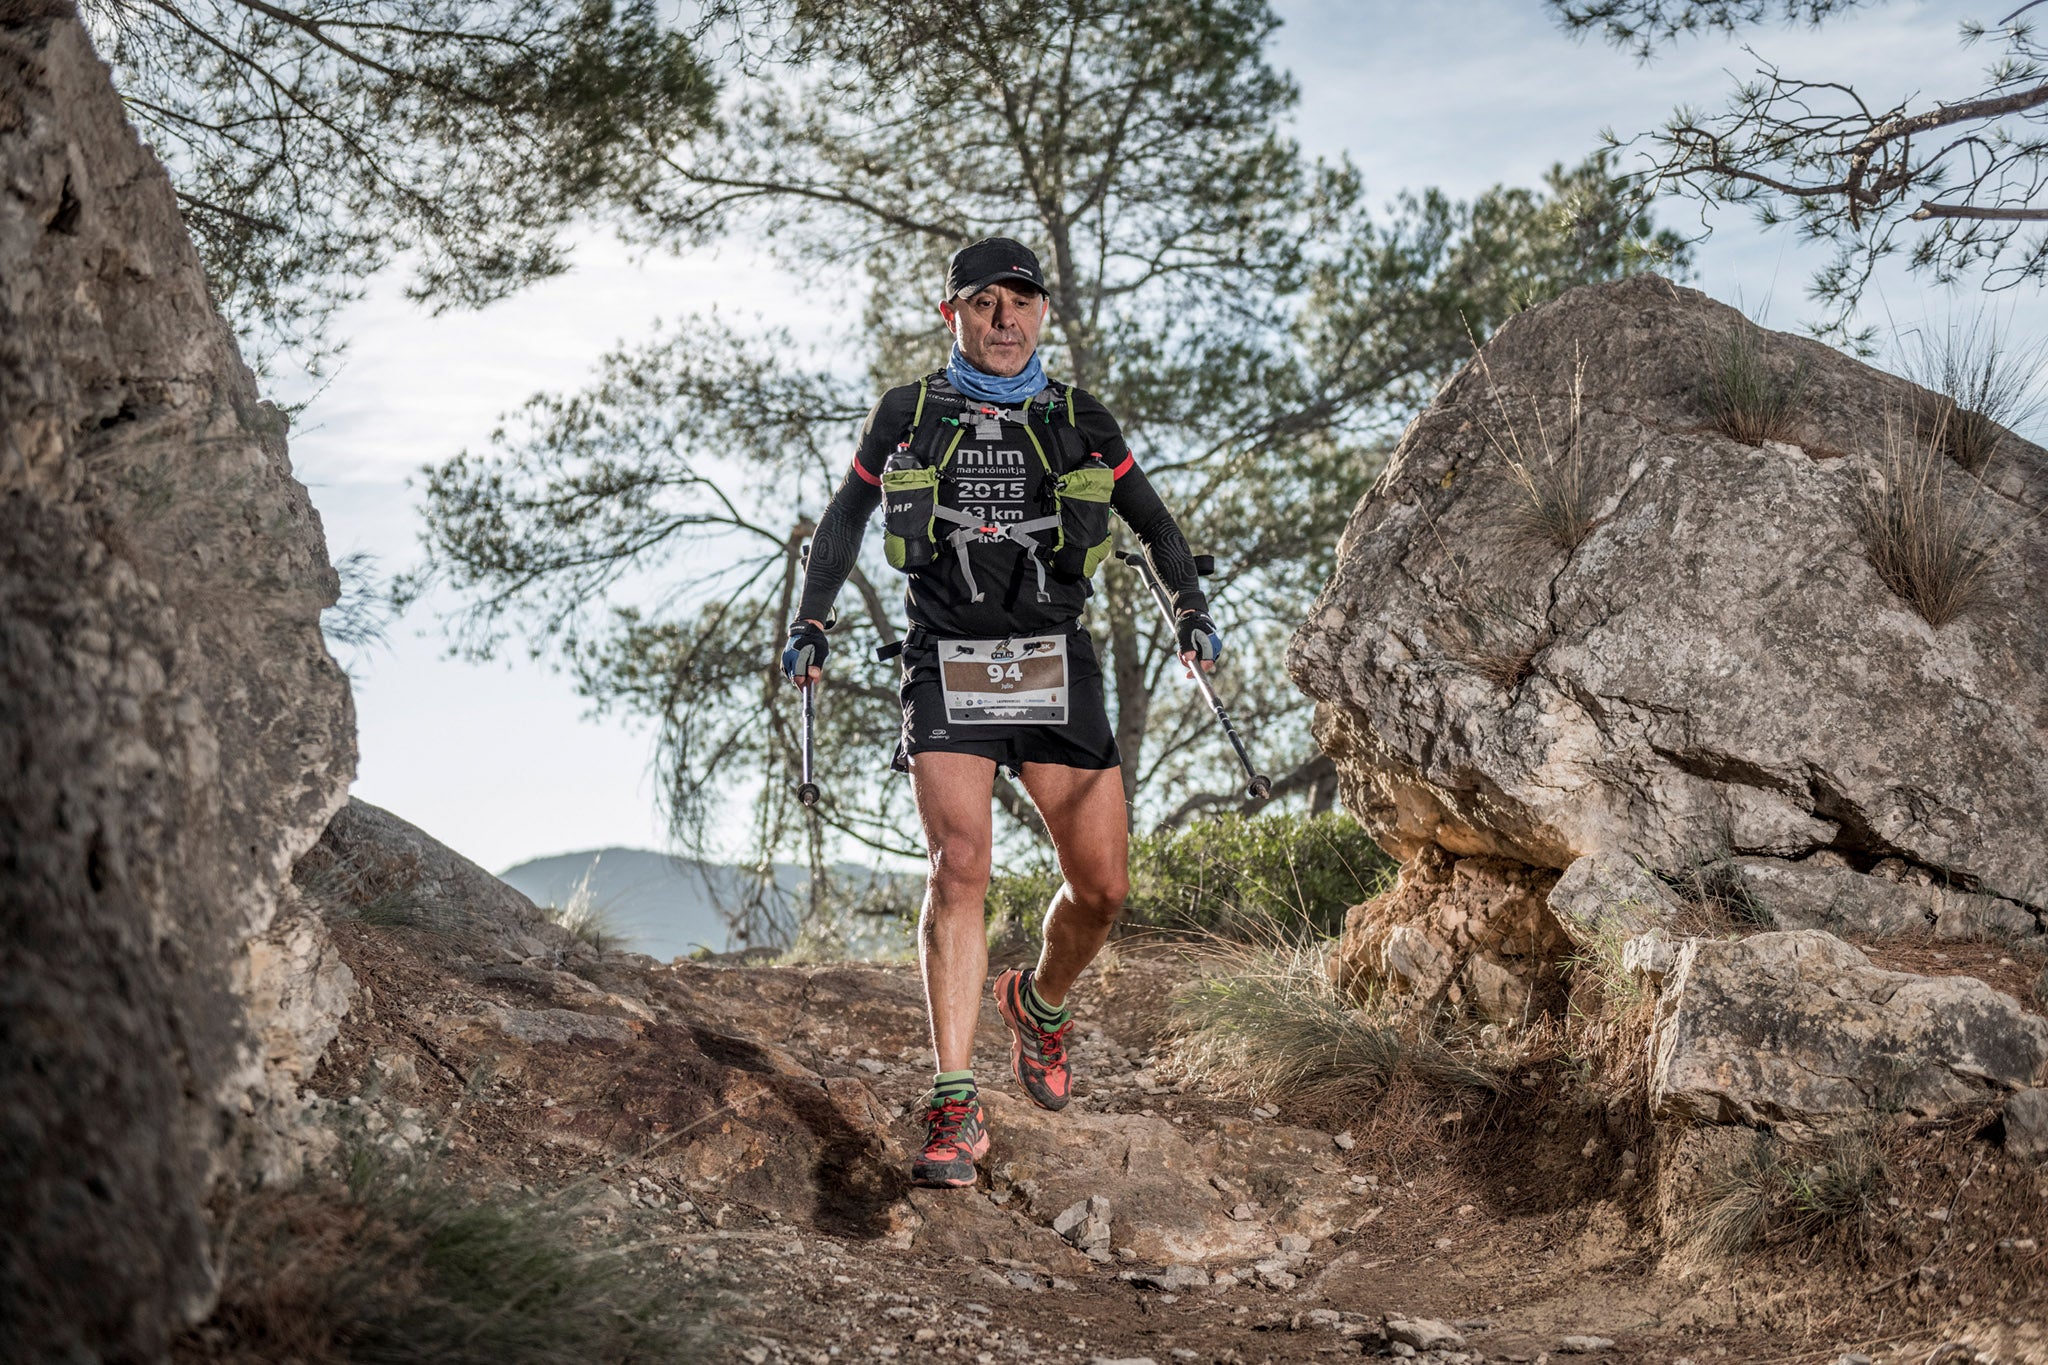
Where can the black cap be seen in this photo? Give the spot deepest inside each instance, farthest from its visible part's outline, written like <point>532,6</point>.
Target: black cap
<point>974,268</point>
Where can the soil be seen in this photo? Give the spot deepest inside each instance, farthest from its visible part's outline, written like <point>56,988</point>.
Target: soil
<point>744,1129</point>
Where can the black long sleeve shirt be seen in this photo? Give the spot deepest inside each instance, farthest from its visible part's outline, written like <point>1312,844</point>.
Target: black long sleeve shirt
<point>991,471</point>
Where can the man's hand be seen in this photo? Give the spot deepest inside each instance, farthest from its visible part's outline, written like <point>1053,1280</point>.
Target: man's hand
<point>803,657</point>
<point>1200,641</point>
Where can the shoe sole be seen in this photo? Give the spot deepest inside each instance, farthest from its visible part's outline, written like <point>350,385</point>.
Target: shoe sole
<point>1010,1005</point>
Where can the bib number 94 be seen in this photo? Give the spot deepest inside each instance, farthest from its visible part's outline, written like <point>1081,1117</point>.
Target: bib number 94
<point>1020,681</point>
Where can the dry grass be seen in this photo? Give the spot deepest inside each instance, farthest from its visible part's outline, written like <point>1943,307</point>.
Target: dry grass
<point>1980,385</point>
<point>1748,394</point>
<point>1929,529</point>
<point>1775,1192</point>
<point>1488,631</point>
<point>1712,888</point>
<point>1268,1019</point>
<point>585,919</point>
<point>1557,503</point>
<point>396,1266</point>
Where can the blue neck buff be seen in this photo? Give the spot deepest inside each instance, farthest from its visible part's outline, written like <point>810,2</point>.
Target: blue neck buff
<point>962,374</point>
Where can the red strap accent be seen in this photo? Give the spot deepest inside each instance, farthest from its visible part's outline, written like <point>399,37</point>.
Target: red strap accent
<point>858,468</point>
<point>1130,458</point>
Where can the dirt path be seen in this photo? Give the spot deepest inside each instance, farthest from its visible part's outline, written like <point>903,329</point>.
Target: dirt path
<point>746,1126</point>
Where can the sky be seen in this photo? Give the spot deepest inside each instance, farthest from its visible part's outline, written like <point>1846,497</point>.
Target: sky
<point>502,760</point>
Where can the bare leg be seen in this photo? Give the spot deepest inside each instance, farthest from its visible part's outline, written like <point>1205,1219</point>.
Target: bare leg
<point>1084,812</point>
<point>952,793</point>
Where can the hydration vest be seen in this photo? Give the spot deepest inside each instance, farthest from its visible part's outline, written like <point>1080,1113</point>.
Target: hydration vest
<point>1071,538</point>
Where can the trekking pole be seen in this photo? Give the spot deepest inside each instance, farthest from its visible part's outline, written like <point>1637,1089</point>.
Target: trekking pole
<point>807,790</point>
<point>1259,786</point>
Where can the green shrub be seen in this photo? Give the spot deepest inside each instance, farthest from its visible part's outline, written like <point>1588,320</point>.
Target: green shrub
<point>1237,876</point>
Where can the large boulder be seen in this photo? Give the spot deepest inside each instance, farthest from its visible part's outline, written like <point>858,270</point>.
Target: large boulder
<point>1800,1027</point>
<point>173,733</point>
<point>1714,668</point>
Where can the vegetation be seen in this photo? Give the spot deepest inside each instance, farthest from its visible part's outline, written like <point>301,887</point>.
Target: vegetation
<point>1775,1191</point>
<point>313,146</point>
<point>1251,878</point>
<point>1749,395</point>
<point>1951,181</point>
<point>1270,1019</point>
<point>1557,500</point>
<point>1711,886</point>
<point>395,1266</point>
<point>1930,530</point>
<point>583,917</point>
<point>1261,333</point>
<point>1980,386</point>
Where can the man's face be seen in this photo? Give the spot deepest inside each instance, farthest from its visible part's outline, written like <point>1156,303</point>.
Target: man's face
<point>998,327</point>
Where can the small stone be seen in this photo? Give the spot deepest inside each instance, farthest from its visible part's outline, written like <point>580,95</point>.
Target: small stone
<point>1224,1280</point>
<point>1126,1254</point>
<point>1345,1142</point>
<point>1294,1244</point>
<point>1423,1334</point>
<point>1242,1213</point>
<point>1443,1244</point>
<point>1121,1360</point>
<point>1071,1218</point>
<point>1583,1345</point>
<point>870,1065</point>
<point>1854,1358</point>
<point>1402,1349</point>
<point>755,1355</point>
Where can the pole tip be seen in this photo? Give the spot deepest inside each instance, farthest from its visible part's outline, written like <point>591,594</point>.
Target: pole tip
<point>807,793</point>
<point>1260,787</point>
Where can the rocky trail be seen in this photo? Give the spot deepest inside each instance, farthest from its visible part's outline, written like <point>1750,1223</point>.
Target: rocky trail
<point>742,1129</point>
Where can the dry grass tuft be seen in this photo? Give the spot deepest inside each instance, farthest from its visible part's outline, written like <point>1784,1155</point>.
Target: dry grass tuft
<point>1777,1192</point>
<point>1716,892</point>
<point>1268,1018</point>
<point>1929,529</point>
<point>583,917</point>
<point>1748,396</point>
<point>398,1267</point>
<point>1980,385</point>
<point>1557,503</point>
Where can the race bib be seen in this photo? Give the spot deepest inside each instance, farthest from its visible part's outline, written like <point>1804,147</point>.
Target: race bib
<point>1005,682</point>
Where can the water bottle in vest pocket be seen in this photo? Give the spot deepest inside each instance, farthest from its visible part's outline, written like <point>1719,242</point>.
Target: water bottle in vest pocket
<point>1084,493</point>
<point>910,500</point>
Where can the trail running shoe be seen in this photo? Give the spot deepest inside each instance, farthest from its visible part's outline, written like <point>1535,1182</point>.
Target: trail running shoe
<point>954,1138</point>
<point>1038,1057</point>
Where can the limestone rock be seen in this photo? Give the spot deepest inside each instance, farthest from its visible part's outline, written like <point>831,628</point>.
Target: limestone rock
<point>1474,933</point>
<point>371,864</point>
<point>1424,1334</point>
<point>173,733</point>
<point>1841,900</point>
<point>1799,1026</point>
<point>1714,667</point>
<point>2026,1124</point>
<point>1605,896</point>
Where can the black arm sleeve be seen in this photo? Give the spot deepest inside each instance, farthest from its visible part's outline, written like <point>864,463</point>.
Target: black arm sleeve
<point>1138,504</point>
<point>836,545</point>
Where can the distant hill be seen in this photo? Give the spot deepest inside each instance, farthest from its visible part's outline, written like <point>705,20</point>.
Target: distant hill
<point>666,906</point>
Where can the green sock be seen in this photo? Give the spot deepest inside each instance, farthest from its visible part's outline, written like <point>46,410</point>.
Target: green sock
<point>1045,1016</point>
<point>953,1085</point>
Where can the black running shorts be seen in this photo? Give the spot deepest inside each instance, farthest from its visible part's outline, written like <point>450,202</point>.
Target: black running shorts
<point>1085,741</point>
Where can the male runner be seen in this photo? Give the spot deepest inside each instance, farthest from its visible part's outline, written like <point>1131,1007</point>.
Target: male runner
<point>1023,672</point>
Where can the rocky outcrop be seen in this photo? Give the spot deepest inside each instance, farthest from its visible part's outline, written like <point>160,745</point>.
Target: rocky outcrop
<point>1602,898</point>
<point>1714,667</point>
<point>173,733</point>
<point>1474,934</point>
<point>1800,1027</point>
<point>1825,893</point>
<point>370,864</point>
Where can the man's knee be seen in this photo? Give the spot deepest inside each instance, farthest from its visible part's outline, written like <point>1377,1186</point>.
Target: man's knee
<point>1100,894</point>
<point>959,874</point>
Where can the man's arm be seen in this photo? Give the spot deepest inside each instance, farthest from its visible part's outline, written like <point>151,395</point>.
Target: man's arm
<point>836,545</point>
<point>1138,503</point>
